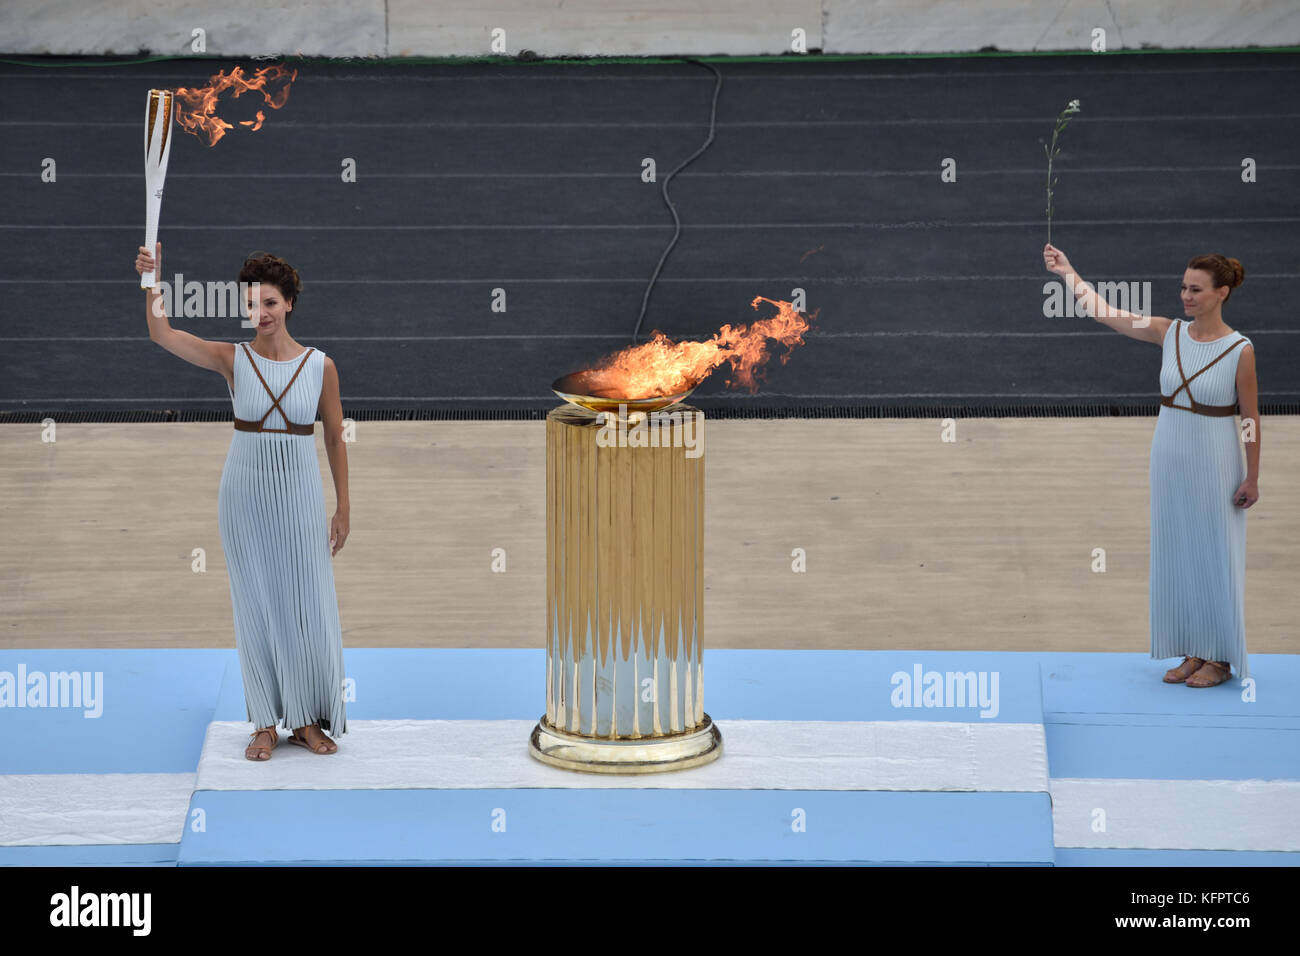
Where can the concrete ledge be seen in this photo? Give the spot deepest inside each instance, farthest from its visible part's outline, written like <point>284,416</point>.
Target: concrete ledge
<point>166,27</point>
<point>603,28</point>
<point>409,28</point>
<point>943,26</point>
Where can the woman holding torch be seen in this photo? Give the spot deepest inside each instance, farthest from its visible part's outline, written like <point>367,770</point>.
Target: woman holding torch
<point>271,508</point>
<point>1200,485</point>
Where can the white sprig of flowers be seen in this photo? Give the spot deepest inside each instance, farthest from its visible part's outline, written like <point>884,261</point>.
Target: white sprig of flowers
<point>1062,121</point>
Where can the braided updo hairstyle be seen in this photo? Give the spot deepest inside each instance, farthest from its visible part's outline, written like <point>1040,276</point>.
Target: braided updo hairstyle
<point>264,267</point>
<point>1223,271</point>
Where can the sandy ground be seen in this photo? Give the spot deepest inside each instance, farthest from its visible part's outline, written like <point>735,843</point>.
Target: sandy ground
<point>986,542</point>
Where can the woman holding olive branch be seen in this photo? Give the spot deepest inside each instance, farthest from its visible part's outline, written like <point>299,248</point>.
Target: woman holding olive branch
<point>1200,484</point>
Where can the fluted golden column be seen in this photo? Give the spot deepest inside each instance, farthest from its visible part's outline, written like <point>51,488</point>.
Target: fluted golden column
<point>625,593</point>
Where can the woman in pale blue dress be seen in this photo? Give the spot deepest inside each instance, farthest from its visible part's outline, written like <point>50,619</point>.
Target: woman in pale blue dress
<point>1201,480</point>
<point>271,510</point>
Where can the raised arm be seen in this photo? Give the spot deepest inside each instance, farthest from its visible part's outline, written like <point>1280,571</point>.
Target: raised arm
<point>217,356</point>
<point>1142,327</point>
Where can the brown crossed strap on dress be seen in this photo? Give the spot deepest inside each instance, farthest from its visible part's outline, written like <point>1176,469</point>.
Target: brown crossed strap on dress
<point>260,426</point>
<point>1217,411</point>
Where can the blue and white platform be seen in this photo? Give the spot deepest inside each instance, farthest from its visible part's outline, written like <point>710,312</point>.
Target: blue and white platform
<point>1066,759</point>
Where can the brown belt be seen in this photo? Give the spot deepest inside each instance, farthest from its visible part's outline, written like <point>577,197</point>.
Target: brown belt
<point>246,426</point>
<point>242,425</point>
<point>1215,411</point>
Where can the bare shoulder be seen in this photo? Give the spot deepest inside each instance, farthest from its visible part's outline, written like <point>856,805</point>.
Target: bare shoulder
<point>225,352</point>
<point>329,404</point>
<point>1158,329</point>
<point>329,377</point>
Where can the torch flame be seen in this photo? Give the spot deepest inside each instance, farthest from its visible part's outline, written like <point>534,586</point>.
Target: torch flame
<point>196,109</point>
<point>664,367</point>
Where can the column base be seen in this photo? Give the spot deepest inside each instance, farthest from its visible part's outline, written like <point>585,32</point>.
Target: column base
<point>644,755</point>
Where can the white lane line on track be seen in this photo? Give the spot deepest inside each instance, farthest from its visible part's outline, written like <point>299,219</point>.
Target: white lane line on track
<point>768,124</point>
<point>1100,399</point>
<point>659,227</point>
<point>723,174</point>
<point>564,336</point>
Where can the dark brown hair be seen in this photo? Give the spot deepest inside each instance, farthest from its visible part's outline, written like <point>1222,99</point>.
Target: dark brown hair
<point>1223,271</point>
<point>264,267</point>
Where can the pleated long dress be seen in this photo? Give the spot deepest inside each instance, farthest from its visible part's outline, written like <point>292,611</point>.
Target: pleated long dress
<point>1198,536</point>
<point>276,540</point>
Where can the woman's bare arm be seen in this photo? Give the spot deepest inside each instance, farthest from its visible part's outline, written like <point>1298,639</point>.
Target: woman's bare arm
<point>1145,328</point>
<point>331,416</point>
<point>1248,402</point>
<point>217,356</point>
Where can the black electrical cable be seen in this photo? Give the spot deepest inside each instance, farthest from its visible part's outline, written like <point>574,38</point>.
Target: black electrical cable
<point>677,223</point>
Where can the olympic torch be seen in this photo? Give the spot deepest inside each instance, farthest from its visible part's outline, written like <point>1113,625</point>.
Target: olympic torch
<point>157,146</point>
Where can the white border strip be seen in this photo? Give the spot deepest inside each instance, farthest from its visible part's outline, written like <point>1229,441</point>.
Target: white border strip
<point>1176,814</point>
<point>1236,815</point>
<point>58,809</point>
<point>757,755</point>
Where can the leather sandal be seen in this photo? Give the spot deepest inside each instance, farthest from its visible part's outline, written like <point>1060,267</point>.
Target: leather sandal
<point>1220,669</point>
<point>321,746</point>
<point>1179,674</point>
<point>255,750</point>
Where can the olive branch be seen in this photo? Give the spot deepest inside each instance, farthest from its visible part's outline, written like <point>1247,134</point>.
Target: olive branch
<point>1062,121</point>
